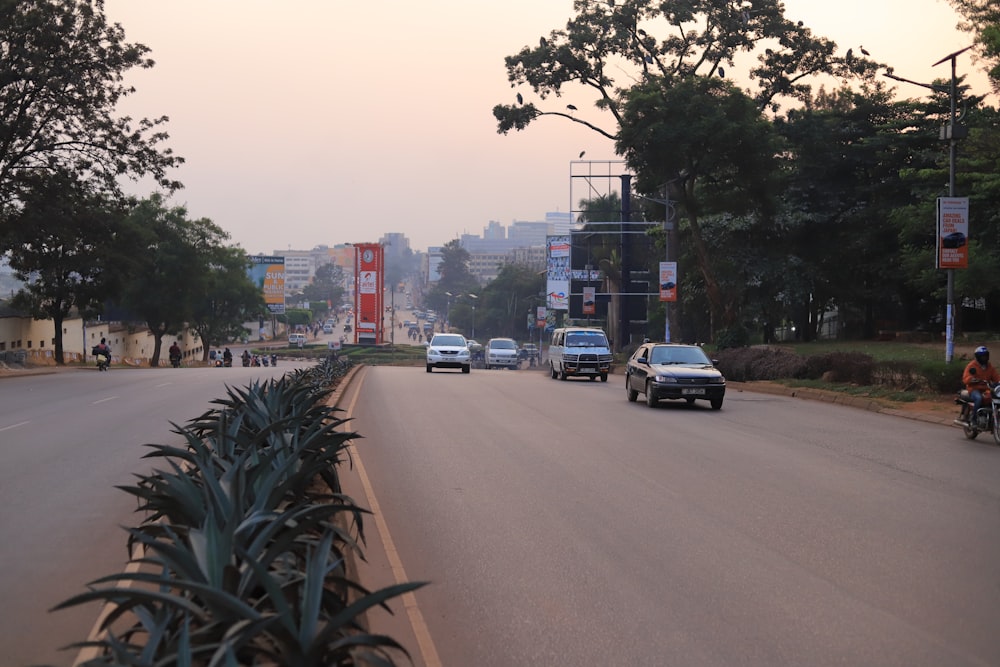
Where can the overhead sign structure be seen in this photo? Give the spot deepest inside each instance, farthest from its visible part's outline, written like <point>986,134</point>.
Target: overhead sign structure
<point>953,233</point>
<point>369,278</point>
<point>268,274</point>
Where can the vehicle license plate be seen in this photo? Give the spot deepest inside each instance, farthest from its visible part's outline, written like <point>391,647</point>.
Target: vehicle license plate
<point>693,391</point>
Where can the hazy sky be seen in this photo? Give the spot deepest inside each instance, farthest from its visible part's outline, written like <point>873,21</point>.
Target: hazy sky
<point>309,122</point>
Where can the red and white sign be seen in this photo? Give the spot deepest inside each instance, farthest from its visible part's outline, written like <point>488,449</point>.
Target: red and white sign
<point>668,281</point>
<point>369,276</point>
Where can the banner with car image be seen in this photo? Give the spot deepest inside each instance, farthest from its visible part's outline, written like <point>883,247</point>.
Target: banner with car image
<point>668,281</point>
<point>953,232</point>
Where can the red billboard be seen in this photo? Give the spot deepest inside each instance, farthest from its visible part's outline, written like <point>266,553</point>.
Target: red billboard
<point>369,276</point>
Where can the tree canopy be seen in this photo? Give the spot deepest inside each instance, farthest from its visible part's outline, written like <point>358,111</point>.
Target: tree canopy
<point>61,79</point>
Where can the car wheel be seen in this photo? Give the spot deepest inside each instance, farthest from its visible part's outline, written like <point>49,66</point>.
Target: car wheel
<point>604,377</point>
<point>430,367</point>
<point>716,403</point>
<point>466,369</point>
<point>562,375</point>
<point>552,371</point>
<point>650,397</point>
<point>630,393</point>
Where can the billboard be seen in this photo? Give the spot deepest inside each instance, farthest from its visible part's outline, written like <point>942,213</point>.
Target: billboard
<point>953,233</point>
<point>557,271</point>
<point>268,274</point>
<point>369,279</point>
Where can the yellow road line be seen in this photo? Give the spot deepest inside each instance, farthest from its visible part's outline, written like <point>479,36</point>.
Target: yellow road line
<point>426,645</point>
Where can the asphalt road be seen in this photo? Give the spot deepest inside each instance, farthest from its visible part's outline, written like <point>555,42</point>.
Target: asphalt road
<point>559,524</point>
<point>66,440</point>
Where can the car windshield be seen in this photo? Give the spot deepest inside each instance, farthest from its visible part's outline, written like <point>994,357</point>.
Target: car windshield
<point>678,355</point>
<point>586,339</point>
<point>503,344</point>
<point>450,341</point>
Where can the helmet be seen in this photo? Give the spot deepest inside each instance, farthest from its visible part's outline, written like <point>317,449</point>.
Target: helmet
<point>982,355</point>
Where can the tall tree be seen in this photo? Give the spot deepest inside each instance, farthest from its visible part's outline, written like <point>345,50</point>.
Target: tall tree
<point>230,299</point>
<point>61,78</point>
<point>701,38</point>
<point>66,245</point>
<point>327,285</point>
<point>982,17</point>
<point>170,275</point>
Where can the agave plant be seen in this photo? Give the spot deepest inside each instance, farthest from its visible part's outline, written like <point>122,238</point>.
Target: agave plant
<point>243,556</point>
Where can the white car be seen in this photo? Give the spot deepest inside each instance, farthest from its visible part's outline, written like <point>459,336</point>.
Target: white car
<point>502,353</point>
<point>449,351</point>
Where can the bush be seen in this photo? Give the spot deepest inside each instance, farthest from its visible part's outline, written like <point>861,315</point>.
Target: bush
<point>943,377</point>
<point>734,336</point>
<point>745,364</point>
<point>852,367</point>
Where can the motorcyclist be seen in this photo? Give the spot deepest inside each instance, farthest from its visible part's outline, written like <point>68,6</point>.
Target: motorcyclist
<point>979,376</point>
<point>246,358</point>
<point>103,352</point>
<point>175,354</point>
<point>227,358</point>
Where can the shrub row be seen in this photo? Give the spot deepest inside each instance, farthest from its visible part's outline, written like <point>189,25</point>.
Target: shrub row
<point>243,556</point>
<point>745,364</point>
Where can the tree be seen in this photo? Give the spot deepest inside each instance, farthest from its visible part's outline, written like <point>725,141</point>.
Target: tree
<point>60,80</point>
<point>705,37</point>
<point>230,298</point>
<point>721,160</point>
<point>983,18</point>
<point>500,309</point>
<point>327,285</point>
<point>170,274</point>
<point>63,244</point>
<point>455,276</point>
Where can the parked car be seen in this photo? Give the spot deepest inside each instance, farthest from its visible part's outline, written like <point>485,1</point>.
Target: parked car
<point>449,351</point>
<point>673,371</point>
<point>502,353</point>
<point>296,339</point>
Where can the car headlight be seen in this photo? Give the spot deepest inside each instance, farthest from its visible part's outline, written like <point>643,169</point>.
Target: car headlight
<point>718,380</point>
<point>665,379</point>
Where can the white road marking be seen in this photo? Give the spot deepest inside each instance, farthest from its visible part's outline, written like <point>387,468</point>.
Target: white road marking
<point>13,426</point>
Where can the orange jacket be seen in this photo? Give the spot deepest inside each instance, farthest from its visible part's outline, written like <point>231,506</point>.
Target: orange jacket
<point>975,380</point>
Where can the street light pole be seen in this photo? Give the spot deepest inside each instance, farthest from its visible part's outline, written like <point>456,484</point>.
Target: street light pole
<point>474,299</point>
<point>952,133</point>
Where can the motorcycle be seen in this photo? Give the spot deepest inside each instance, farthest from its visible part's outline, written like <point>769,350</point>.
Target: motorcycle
<point>175,361</point>
<point>986,419</point>
<point>103,360</point>
<point>274,359</point>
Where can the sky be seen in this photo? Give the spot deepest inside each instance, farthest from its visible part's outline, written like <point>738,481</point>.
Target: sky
<point>309,122</point>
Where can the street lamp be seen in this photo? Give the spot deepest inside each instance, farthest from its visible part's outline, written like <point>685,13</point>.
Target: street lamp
<point>950,133</point>
<point>447,310</point>
<point>474,299</point>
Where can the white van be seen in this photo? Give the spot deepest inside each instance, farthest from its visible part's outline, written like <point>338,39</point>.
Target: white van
<point>296,339</point>
<point>580,351</point>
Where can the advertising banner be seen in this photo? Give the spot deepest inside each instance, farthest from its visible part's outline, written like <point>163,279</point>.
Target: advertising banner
<point>369,277</point>
<point>268,274</point>
<point>589,300</point>
<point>668,281</point>
<point>557,271</point>
<point>953,232</point>
<point>540,317</point>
